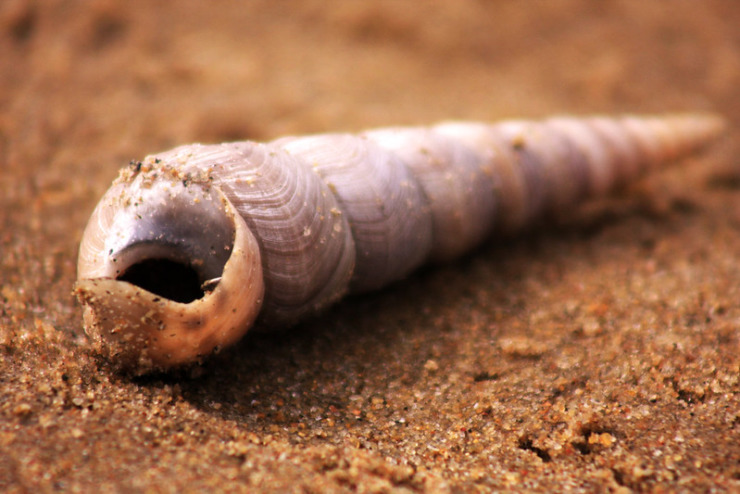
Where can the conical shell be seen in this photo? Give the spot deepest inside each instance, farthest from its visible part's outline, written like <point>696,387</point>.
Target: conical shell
<point>244,231</point>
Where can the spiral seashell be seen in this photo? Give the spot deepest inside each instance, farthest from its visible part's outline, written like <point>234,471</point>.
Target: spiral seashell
<point>191,247</point>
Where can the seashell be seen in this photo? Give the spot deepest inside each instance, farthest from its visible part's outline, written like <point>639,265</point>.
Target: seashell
<point>191,247</point>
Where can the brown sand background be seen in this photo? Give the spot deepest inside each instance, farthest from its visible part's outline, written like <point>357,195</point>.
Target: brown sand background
<point>598,353</point>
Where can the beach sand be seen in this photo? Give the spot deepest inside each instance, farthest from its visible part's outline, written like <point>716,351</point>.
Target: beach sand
<point>597,352</point>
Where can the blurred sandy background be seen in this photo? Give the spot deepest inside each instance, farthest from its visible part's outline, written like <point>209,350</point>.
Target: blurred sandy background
<point>600,353</point>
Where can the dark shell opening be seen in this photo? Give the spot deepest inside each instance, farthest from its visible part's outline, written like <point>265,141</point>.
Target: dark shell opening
<point>170,279</point>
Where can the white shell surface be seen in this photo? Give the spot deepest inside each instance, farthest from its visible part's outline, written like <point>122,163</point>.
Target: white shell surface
<point>457,185</point>
<point>385,207</point>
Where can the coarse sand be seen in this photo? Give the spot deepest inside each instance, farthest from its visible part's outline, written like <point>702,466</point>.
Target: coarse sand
<point>599,352</point>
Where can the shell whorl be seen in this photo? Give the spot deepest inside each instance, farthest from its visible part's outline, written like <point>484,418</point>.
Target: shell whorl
<point>316,217</point>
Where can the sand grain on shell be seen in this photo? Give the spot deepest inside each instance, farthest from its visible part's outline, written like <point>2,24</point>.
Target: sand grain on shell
<point>597,354</point>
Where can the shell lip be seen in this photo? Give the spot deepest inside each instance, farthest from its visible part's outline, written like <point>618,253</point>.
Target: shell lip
<point>140,331</point>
